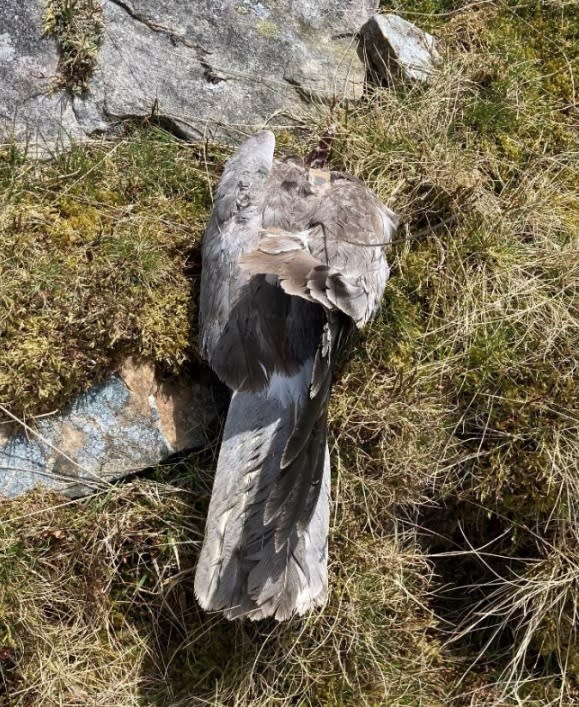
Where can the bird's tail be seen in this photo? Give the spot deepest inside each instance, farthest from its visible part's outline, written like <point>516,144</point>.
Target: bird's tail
<point>261,556</point>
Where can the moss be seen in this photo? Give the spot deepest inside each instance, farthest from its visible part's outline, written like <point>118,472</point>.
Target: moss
<point>528,67</point>
<point>77,26</point>
<point>267,28</point>
<point>93,265</point>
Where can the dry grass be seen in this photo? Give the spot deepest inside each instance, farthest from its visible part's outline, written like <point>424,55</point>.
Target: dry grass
<point>455,533</point>
<point>97,608</point>
<point>471,399</point>
<point>76,576</point>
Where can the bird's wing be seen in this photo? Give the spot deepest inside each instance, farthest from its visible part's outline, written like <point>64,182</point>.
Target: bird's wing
<point>232,230</point>
<point>338,261</point>
<point>267,520</point>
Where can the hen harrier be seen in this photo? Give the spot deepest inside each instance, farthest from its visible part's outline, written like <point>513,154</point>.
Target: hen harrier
<point>293,258</point>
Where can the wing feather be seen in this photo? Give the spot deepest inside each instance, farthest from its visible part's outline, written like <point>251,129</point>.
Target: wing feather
<point>233,229</point>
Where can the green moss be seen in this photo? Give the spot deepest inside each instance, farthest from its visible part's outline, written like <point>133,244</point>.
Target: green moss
<point>267,28</point>
<point>93,252</point>
<point>530,67</point>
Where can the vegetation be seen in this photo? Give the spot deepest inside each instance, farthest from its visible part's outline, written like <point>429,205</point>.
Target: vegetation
<point>93,259</point>
<point>455,528</point>
<point>77,27</point>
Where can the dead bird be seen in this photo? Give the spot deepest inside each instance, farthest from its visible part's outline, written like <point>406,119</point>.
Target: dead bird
<point>293,259</point>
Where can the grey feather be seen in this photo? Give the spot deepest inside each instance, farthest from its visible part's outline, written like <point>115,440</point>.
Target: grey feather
<point>242,570</point>
<point>292,259</point>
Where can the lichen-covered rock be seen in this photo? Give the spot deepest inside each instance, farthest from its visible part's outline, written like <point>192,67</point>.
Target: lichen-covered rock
<point>394,48</point>
<point>129,422</point>
<point>207,69</point>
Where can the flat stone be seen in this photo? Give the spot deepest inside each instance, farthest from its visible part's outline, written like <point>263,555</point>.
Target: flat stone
<point>128,423</point>
<point>209,70</point>
<point>395,49</point>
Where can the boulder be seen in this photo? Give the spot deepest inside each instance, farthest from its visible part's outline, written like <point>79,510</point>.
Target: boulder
<point>131,421</point>
<point>206,69</point>
<point>395,49</point>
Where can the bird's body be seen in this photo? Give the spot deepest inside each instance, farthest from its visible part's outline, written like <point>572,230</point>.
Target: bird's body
<point>292,258</point>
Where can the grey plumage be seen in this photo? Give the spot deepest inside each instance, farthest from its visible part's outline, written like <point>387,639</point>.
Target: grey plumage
<point>292,259</point>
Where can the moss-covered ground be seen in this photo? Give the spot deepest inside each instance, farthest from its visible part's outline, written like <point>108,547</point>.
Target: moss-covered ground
<point>455,525</point>
<point>96,249</point>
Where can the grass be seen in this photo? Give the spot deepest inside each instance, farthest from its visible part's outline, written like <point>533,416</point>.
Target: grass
<point>103,613</point>
<point>476,351</point>
<point>77,26</point>
<point>455,530</point>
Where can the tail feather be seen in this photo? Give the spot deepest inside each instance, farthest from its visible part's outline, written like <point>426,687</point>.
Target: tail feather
<point>244,568</point>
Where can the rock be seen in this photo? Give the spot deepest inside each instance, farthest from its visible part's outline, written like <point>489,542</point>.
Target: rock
<point>28,110</point>
<point>393,48</point>
<point>129,422</point>
<point>206,69</point>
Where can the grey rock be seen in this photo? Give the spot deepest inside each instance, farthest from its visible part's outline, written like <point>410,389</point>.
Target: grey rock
<point>394,48</point>
<point>209,69</point>
<point>29,111</point>
<point>129,422</point>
